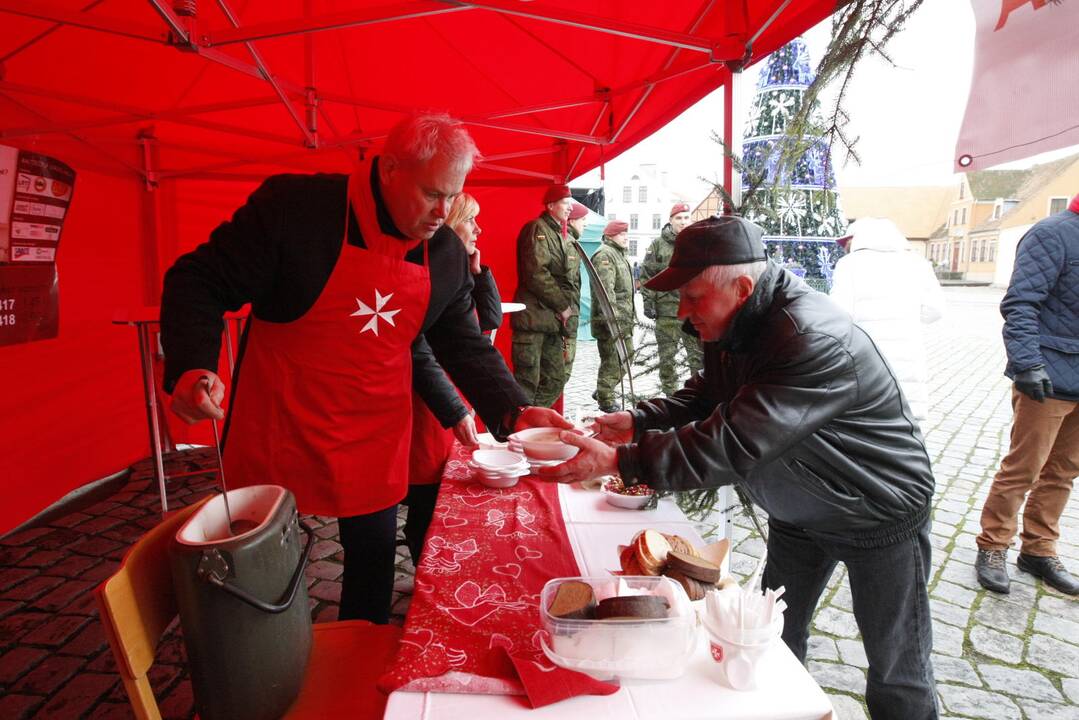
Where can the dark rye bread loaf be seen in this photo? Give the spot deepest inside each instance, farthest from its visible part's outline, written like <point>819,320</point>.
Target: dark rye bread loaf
<point>694,567</point>
<point>635,607</point>
<point>573,600</point>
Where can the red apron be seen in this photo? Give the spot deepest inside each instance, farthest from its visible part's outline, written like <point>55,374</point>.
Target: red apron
<point>431,445</point>
<point>323,404</point>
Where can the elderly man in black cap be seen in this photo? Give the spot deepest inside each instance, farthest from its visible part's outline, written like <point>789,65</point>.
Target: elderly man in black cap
<point>796,405</point>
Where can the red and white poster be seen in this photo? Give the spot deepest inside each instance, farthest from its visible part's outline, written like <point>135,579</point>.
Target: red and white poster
<point>35,193</point>
<point>1024,98</point>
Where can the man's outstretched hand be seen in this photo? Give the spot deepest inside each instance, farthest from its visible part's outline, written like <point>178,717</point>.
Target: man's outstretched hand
<point>532,417</point>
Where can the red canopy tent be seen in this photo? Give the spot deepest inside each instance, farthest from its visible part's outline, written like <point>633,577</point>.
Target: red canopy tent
<point>172,113</point>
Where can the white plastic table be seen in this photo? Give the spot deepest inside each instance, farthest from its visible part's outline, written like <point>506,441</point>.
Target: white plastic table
<point>786,692</point>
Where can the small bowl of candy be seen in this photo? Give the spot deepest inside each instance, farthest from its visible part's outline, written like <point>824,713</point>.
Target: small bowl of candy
<point>634,497</point>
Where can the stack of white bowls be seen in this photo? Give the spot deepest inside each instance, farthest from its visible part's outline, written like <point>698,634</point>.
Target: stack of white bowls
<point>498,468</point>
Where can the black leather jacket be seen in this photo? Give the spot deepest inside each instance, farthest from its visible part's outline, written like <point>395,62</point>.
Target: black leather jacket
<point>797,405</point>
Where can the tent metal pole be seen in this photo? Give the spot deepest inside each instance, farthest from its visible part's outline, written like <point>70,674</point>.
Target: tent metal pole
<point>517,171</point>
<point>595,23</point>
<point>580,152</point>
<point>126,120</point>
<point>87,21</point>
<point>43,34</point>
<point>666,66</point>
<point>557,134</point>
<point>74,136</point>
<point>523,153</point>
<point>176,26</point>
<point>138,113</point>
<point>309,137</point>
<point>321,23</point>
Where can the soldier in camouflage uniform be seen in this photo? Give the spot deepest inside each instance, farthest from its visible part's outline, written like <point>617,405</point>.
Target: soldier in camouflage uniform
<point>578,219</point>
<point>663,306</point>
<point>549,284</point>
<point>613,270</point>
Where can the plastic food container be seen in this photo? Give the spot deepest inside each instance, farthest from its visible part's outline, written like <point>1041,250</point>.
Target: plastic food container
<point>644,649</point>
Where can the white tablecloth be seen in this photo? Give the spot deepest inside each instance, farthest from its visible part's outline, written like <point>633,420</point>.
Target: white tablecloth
<point>596,529</point>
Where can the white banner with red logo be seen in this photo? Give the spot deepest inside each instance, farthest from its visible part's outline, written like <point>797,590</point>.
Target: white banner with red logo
<point>1024,95</point>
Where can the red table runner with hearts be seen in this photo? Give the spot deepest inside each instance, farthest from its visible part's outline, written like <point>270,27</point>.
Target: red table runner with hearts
<point>488,554</point>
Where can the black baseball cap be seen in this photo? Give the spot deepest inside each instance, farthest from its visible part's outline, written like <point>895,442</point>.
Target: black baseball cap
<point>726,240</point>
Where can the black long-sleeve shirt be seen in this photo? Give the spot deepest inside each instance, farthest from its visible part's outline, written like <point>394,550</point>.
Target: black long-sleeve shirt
<point>428,379</point>
<point>277,253</point>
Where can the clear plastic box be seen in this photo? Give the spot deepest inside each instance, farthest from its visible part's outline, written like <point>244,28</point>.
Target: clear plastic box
<point>644,649</point>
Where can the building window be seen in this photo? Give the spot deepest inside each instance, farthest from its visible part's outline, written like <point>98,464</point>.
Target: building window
<point>955,218</point>
<point>655,221</point>
<point>960,191</point>
<point>612,216</point>
<point>633,221</point>
<point>1057,204</point>
<point>642,194</point>
<point>627,194</point>
<point>996,211</point>
<point>633,248</point>
<point>992,254</point>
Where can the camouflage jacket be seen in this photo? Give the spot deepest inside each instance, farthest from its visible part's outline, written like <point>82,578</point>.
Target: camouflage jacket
<point>663,304</point>
<point>548,278</point>
<point>614,272</point>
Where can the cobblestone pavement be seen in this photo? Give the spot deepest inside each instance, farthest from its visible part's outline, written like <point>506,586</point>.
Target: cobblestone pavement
<point>1014,656</point>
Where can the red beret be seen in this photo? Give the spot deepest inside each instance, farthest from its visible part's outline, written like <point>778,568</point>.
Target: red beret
<point>614,227</point>
<point>578,211</point>
<point>679,208</point>
<point>556,193</point>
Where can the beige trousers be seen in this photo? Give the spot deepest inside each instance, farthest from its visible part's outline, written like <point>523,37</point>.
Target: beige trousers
<point>1040,466</point>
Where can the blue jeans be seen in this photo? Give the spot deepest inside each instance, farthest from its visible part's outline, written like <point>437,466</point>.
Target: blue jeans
<point>891,607</point>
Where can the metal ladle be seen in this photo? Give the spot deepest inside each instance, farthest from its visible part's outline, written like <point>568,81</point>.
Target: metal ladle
<point>240,526</point>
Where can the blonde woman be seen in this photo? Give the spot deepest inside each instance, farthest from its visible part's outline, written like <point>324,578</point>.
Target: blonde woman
<point>434,428</point>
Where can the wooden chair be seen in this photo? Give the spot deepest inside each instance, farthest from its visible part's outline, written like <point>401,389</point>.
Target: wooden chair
<point>137,605</point>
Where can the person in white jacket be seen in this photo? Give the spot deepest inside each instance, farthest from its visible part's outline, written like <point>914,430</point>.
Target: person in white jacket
<point>890,292</point>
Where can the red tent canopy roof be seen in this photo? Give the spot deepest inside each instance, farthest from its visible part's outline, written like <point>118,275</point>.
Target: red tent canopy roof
<point>550,89</point>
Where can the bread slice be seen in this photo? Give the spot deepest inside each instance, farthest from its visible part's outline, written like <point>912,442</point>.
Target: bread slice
<point>694,567</point>
<point>632,607</point>
<point>627,558</point>
<point>694,588</point>
<point>682,545</point>
<point>652,549</point>
<point>573,600</point>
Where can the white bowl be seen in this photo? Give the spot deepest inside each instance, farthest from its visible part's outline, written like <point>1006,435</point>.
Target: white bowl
<point>627,502</point>
<point>543,444</point>
<point>497,481</point>
<point>497,459</point>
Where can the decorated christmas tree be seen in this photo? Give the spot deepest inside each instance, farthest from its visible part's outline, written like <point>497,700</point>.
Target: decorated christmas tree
<point>795,200</point>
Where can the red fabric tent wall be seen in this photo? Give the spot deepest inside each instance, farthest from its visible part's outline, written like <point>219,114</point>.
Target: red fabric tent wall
<point>550,89</point>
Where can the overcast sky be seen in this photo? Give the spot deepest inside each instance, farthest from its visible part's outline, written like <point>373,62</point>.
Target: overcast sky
<point>907,116</point>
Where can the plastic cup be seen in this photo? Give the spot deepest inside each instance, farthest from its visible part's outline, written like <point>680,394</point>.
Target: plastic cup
<point>738,652</point>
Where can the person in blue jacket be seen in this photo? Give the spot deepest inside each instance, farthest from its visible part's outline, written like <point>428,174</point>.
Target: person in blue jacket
<point>1041,336</point>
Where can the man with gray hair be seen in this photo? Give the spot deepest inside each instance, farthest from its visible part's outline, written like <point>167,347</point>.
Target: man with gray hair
<point>343,274</point>
<point>796,406</point>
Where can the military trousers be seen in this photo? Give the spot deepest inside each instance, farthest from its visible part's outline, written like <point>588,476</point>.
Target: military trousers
<point>669,336</point>
<point>611,370</point>
<point>541,365</point>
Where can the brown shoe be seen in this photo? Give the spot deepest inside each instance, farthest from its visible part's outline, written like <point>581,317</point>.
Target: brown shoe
<point>992,572</point>
<point>1051,571</point>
